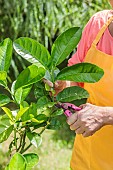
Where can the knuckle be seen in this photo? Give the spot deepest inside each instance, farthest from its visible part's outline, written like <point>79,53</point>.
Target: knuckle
<point>78,131</point>
<point>86,134</point>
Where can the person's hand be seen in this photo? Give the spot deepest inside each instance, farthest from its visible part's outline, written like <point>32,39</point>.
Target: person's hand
<point>59,85</point>
<point>88,120</point>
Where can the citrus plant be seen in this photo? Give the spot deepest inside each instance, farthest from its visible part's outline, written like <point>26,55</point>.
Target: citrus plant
<point>29,120</point>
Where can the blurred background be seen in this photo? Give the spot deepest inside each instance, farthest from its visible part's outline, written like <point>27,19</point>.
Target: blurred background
<point>44,20</point>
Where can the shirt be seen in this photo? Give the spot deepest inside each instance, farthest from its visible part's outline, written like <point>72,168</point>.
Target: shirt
<point>90,31</point>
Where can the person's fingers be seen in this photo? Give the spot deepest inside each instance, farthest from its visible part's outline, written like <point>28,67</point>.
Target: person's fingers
<point>72,119</point>
<point>87,134</point>
<point>74,126</point>
<point>79,131</point>
<point>48,82</point>
<point>58,83</point>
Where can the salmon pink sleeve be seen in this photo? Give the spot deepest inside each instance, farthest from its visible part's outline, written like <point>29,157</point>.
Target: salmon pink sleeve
<point>88,35</point>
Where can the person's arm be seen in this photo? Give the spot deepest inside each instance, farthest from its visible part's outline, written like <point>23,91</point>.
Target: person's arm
<point>90,118</point>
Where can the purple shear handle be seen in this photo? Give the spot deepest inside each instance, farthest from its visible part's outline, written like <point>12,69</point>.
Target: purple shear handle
<point>67,106</point>
<point>68,113</point>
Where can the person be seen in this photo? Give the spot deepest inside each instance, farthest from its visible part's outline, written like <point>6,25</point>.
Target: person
<point>93,124</point>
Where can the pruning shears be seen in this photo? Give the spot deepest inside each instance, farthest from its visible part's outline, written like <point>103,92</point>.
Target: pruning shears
<point>68,108</point>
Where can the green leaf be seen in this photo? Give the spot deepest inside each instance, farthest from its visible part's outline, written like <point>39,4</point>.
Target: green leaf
<point>29,76</point>
<point>32,51</point>
<point>72,93</point>
<point>55,123</point>
<point>30,113</point>
<point>57,112</point>
<point>34,138</point>
<point>48,76</point>
<point>39,118</point>
<point>21,112</point>
<point>31,160</point>
<point>4,100</point>
<point>47,87</point>
<point>8,112</point>
<point>82,72</point>
<point>24,104</point>
<point>79,102</point>
<point>40,90</point>
<point>3,76</point>
<point>45,108</point>
<point>17,162</point>
<point>6,133</point>
<point>21,93</point>
<point>42,101</point>
<point>65,44</point>
<point>46,111</point>
<point>5,54</point>
<point>4,122</point>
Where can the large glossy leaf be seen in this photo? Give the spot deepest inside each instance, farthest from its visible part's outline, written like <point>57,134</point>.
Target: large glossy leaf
<point>79,102</point>
<point>82,72</point>
<point>72,93</point>
<point>34,138</point>
<point>64,45</point>
<point>17,162</point>
<point>4,99</point>
<point>31,160</point>
<point>29,76</point>
<point>5,54</point>
<point>32,51</point>
<point>3,76</point>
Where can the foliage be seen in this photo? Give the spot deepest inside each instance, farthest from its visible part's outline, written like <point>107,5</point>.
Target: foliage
<point>43,21</point>
<point>45,112</point>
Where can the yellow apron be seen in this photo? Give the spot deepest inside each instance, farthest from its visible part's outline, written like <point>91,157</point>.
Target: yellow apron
<point>96,152</point>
